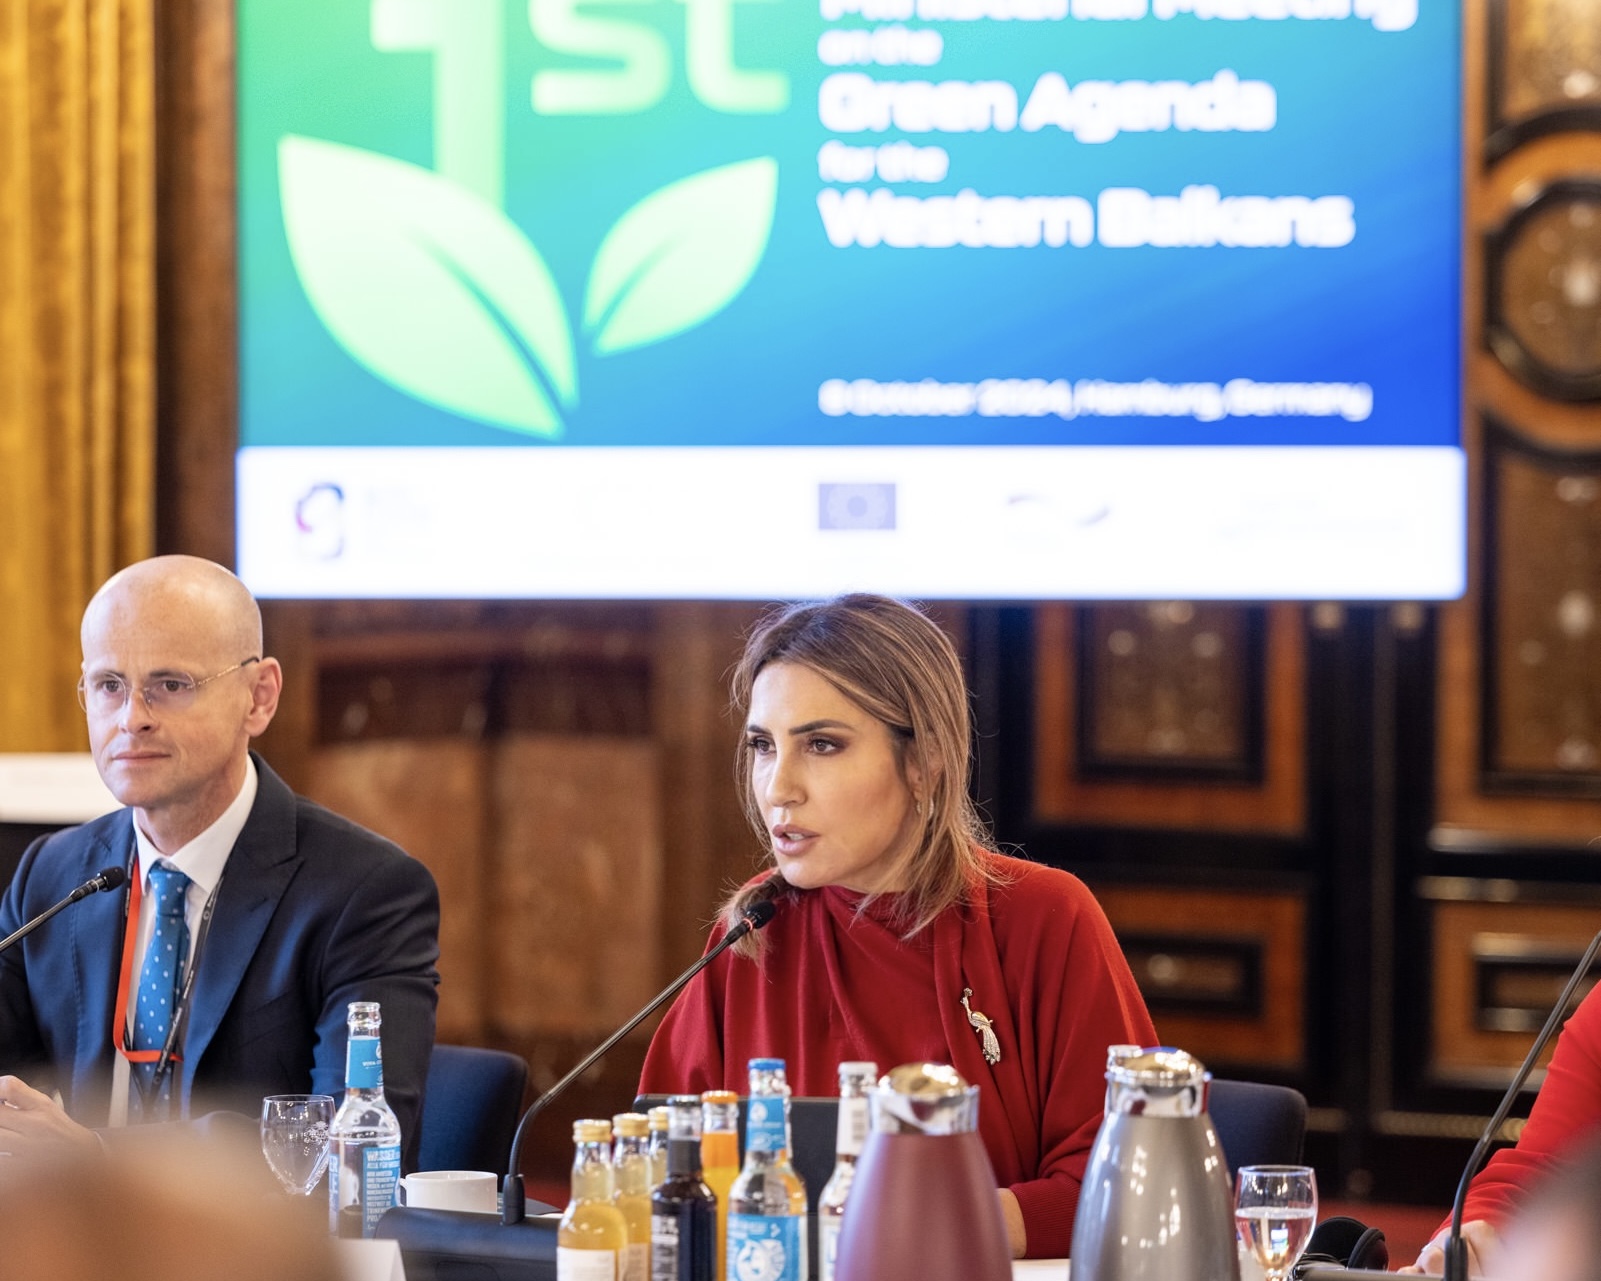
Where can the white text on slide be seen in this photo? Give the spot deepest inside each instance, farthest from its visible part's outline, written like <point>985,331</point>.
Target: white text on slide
<point>1385,15</point>
<point>1126,218</point>
<point>1205,402</point>
<point>1093,111</point>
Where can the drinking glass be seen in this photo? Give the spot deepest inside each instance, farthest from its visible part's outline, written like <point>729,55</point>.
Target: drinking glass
<point>294,1138</point>
<point>1275,1209</point>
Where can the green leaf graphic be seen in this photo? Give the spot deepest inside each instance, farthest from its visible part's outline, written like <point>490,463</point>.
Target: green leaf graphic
<point>428,286</point>
<point>681,255</point>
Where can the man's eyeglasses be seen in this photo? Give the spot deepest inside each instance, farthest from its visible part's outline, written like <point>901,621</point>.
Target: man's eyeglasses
<point>107,694</point>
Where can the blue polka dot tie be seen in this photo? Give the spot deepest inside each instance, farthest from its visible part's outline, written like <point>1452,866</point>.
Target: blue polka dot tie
<point>160,980</point>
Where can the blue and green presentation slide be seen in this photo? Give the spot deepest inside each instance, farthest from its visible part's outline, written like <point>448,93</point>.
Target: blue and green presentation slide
<point>644,226</point>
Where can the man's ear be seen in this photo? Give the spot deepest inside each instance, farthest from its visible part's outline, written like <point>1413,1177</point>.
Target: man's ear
<point>266,687</point>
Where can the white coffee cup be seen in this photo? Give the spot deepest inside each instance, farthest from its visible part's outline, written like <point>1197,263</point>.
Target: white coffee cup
<point>472,1191</point>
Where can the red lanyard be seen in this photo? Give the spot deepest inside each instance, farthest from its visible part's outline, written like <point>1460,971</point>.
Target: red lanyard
<point>119,1019</point>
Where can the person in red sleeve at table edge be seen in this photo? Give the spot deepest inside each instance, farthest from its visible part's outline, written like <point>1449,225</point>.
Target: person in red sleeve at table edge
<point>900,935</point>
<point>1566,1115</point>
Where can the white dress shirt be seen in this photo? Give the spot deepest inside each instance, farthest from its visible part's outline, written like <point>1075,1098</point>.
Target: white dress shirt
<point>202,861</point>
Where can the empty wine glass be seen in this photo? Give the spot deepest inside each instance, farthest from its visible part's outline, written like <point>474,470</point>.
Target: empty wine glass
<point>1275,1209</point>
<point>294,1138</point>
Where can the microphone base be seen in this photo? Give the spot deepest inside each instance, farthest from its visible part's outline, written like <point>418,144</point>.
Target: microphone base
<point>445,1245</point>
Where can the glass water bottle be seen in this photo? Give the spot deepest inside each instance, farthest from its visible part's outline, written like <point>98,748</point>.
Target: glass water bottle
<point>855,1080</point>
<point>767,1204</point>
<point>364,1140</point>
<point>631,1174</point>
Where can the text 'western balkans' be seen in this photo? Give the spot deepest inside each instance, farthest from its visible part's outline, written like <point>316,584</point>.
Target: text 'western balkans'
<point>1094,398</point>
<point>1124,218</point>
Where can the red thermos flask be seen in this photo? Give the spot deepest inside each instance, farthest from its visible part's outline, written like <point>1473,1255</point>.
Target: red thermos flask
<point>924,1206</point>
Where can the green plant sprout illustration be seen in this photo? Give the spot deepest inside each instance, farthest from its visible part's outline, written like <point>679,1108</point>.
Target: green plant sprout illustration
<point>424,281</point>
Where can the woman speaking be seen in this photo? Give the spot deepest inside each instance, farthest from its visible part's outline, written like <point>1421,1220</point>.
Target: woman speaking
<point>900,934</point>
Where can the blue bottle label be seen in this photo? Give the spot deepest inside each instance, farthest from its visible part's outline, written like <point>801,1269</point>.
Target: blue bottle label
<point>766,1248</point>
<point>380,1174</point>
<point>364,1064</point>
<point>766,1126</point>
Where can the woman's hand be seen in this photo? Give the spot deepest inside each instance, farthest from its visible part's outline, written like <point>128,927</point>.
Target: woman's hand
<point>1481,1240</point>
<point>1016,1233</point>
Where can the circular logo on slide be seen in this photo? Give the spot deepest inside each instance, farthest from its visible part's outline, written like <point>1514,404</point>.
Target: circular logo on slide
<point>760,1261</point>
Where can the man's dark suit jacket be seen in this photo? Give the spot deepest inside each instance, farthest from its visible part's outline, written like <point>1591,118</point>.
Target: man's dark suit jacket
<point>312,912</point>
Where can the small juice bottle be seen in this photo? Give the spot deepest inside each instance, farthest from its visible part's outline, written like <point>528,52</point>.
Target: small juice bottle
<point>719,1158</point>
<point>631,1172</point>
<point>658,1146</point>
<point>591,1237</point>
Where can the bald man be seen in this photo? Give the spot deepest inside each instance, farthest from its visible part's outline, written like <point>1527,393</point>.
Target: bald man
<point>289,912</point>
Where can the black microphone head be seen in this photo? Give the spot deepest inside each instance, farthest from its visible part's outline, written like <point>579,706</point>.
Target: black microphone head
<point>111,878</point>
<point>759,913</point>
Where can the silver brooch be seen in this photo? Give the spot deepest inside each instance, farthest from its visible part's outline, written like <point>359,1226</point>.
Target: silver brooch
<point>985,1027</point>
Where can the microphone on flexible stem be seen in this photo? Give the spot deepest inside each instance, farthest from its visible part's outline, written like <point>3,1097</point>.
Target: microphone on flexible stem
<point>445,1245</point>
<point>1456,1249</point>
<point>513,1196</point>
<point>110,878</point>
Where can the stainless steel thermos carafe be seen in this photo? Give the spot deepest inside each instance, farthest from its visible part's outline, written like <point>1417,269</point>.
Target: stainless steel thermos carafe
<point>1156,1203</point>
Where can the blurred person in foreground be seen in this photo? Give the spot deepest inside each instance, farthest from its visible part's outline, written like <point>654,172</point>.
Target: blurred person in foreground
<point>251,917</point>
<point>1566,1113</point>
<point>900,934</point>
<point>1556,1236</point>
<point>167,1211</point>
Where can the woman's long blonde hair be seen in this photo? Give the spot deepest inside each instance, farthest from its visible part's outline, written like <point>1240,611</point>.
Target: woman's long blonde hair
<point>893,662</point>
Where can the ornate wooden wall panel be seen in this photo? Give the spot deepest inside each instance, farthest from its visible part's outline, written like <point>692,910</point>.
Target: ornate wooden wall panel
<point>1498,968</point>
<point>429,795</point>
<point>1519,66</point>
<point>576,862</point>
<point>1542,621</point>
<point>1224,973</point>
<point>1170,715</point>
<point>1545,70</point>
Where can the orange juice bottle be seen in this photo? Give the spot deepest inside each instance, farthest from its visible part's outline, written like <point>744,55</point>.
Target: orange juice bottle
<point>719,1158</point>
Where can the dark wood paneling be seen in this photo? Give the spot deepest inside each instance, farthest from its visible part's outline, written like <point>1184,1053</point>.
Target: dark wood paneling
<point>196,328</point>
<point>431,798</point>
<point>1258,790</point>
<point>1169,690</point>
<point>1545,71</point>
<point>1542,729</point>
<point>1476,951</point>
<point>1243,954</point>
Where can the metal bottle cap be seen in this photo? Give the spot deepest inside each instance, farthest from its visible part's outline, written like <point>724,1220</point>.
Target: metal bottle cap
<point>591,1131</point>
<point>1161,1081</point>
<point>924,1098</point>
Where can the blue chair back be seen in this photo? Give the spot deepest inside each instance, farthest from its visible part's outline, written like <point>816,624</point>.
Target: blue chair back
<point>470,1108</point>
<point>1257,1124</point>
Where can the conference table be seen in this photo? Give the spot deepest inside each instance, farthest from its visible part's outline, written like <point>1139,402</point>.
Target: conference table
<point>381,1261</point>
